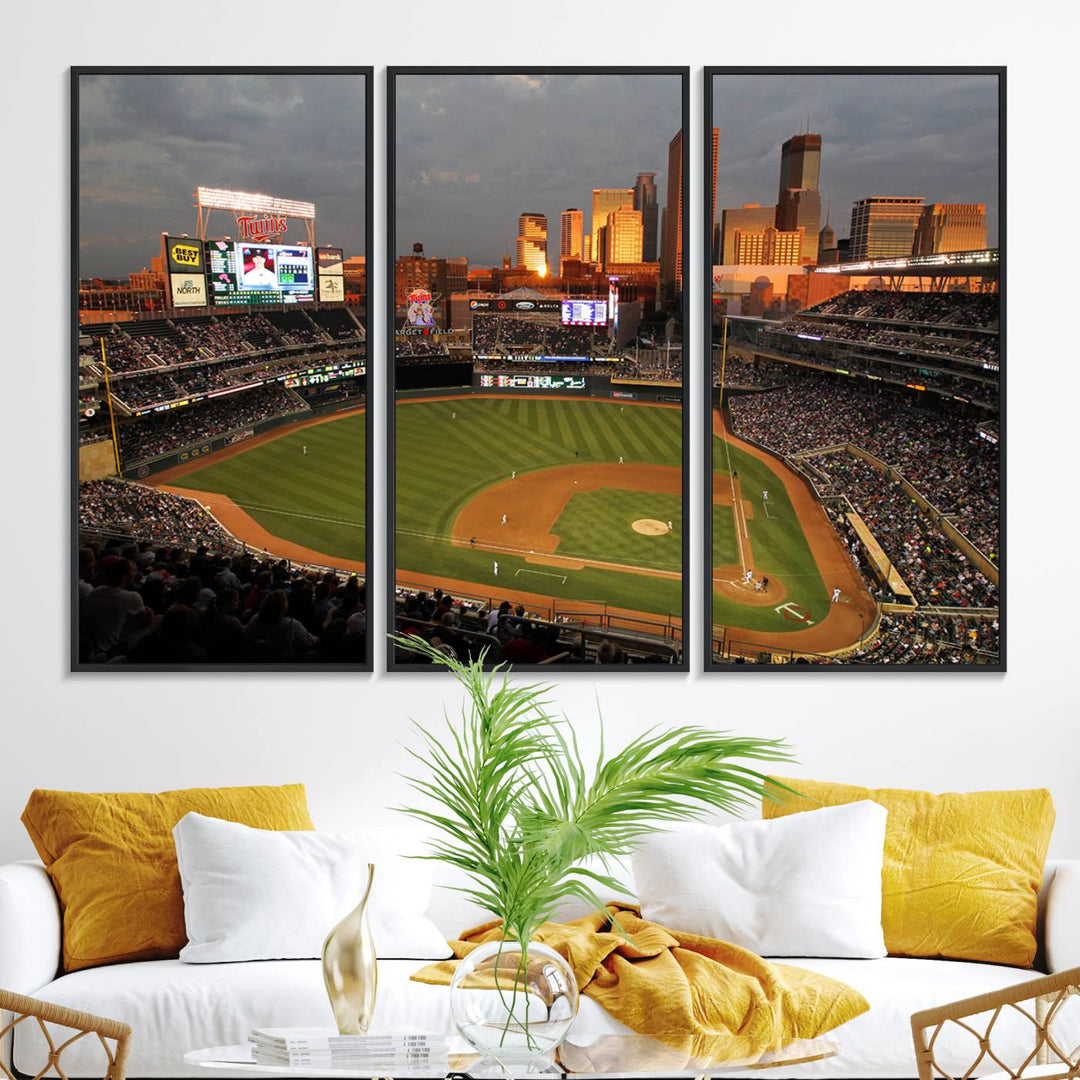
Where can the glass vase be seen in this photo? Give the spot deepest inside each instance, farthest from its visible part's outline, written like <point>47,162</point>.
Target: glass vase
<point>350,970</point>
<point>514,1004</point>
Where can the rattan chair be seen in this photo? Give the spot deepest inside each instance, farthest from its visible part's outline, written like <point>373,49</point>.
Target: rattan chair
<point>1040,1002</point>
<point>108,1032</point>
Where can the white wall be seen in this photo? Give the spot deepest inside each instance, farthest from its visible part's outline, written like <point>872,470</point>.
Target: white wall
<point>341,735</point>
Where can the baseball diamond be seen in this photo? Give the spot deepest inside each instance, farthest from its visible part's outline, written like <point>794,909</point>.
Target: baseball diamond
<point>536,483</point>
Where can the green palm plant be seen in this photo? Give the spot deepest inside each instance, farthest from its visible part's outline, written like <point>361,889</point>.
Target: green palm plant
<point>517,809</point>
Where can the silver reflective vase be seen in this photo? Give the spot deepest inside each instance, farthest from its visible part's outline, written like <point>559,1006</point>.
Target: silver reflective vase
<point>349,968</point>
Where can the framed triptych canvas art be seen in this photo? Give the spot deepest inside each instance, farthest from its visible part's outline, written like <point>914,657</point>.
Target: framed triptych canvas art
<point>540,354</point>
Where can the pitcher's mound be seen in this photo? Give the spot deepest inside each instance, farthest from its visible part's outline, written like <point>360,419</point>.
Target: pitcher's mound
<point>650,526</point>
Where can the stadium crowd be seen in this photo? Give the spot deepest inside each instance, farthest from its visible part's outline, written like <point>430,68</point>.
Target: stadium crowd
<point>981,348</point>
<point>925,638</point>
<point>419,347</point>
<point>944,457</point>
<point>506,633</point>
<point>163,433</point>
<point>145,596</point>
<point>936,309</point>
<point>932,568</point>
<point>497,335</point>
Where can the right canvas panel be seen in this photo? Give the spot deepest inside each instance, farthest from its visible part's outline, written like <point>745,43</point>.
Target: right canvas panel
<point>855,348</point>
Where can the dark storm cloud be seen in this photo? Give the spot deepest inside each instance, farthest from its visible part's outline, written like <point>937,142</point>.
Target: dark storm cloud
<point>147,141</point>
<point>929,135</point>
<point>475,151</point>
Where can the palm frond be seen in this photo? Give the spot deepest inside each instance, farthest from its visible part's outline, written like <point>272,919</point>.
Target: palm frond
<point>516,808</point>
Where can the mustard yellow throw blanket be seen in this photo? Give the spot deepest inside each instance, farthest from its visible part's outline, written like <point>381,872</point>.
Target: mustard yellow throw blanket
<point>705,998</point>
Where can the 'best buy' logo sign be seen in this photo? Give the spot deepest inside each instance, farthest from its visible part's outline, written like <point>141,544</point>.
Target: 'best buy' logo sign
<point>185,254</point>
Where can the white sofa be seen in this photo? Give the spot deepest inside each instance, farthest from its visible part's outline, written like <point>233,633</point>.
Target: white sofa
<point>175,1007</point>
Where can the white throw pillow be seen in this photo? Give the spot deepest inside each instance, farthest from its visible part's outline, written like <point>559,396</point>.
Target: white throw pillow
<point>258,894</point>
<point>804,885</point>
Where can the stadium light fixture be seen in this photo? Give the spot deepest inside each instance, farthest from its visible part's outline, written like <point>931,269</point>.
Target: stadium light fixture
<point>252,202</point>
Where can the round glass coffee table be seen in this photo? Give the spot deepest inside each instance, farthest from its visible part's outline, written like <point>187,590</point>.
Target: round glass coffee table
<point>629,1056</point>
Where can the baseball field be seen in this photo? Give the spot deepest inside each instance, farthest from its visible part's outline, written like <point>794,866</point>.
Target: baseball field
<point>777,561</point>
<point>575,499</point>
<point>268,492</point>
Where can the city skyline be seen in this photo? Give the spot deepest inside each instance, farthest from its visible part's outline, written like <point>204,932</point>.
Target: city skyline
<point>146,141</point>
<point>895,135</point>
<point>474,152</point>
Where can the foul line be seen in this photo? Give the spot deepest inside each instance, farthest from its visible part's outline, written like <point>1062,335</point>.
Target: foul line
<point>542,573</point>
<point>735,507</point>
<point>295,514</point>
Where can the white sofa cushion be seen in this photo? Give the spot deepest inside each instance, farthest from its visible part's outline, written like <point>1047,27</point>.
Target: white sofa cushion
<point>175,1007</point>
<point>257,894</point>
<point>805,885</point>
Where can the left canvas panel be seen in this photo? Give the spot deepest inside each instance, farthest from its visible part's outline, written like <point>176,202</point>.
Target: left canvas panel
<point>221,224</point>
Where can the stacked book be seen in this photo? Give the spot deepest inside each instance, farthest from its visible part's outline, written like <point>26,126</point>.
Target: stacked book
<point>399,1050</point>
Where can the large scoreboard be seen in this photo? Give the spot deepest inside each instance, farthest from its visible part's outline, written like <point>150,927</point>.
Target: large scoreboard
<point>242,274</point>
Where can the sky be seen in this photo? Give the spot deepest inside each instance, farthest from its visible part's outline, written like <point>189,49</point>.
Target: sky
<point>476,151</point>
<point>147,141</point>
<point>929,135</point>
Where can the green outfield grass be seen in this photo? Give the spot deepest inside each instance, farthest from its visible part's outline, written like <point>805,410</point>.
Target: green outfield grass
<point>443,462</point>
<point>316,500</point>
<point>780,548</point>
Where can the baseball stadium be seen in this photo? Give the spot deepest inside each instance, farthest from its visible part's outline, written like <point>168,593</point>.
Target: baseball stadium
<point>538,481</point>
<point>222,447</point>
<point>855,475</point>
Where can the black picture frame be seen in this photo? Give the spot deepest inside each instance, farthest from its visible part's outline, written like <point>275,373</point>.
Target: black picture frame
<point>708,628</point>
<point>366,72</point>
<point>393,72</point>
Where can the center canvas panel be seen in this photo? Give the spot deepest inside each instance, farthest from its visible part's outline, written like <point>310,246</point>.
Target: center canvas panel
<point>536,252</point>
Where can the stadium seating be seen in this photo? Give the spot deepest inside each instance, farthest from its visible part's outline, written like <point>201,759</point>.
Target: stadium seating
<point>188,592</point>
<point>467,628</point>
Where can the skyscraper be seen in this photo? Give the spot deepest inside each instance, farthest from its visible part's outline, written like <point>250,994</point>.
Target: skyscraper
<point>951,227</point>
<point>883,226</point>
<point>798,204</point>
<point>645,203</point>
<point>800,163</point>
<point>671,257</point>
<point>769,247</point>
<point>532,243</point>
<point>604,200</point>
<point>623,237</point>
<point>571,222</point>
<point>749,218</point>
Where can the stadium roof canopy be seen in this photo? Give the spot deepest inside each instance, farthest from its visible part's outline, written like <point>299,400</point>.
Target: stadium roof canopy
<point>984,263</point>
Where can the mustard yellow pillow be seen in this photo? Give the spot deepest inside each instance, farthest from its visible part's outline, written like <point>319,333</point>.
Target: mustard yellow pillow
<point>113,863</point>
<point>961,872</point>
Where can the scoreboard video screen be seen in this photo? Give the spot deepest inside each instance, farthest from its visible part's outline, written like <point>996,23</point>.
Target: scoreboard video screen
<point>247,274</point>
<point>584,313</point>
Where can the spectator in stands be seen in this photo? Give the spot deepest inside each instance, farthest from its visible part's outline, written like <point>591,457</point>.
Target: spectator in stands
<point>273,634</point>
